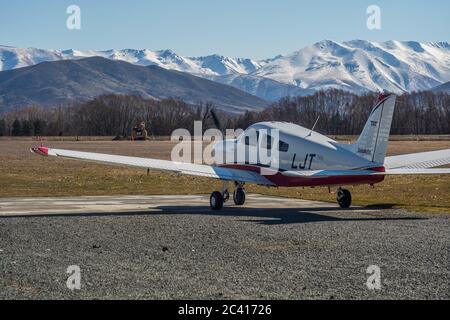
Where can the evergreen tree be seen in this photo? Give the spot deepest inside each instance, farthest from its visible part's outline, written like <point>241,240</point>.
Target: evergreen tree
<point>38,126</point>
<point>16,128</point>
<point>27,128</point>
<point>2,127</point>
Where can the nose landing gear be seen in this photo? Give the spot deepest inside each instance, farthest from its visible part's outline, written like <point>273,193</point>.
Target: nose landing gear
<point>344,198</point>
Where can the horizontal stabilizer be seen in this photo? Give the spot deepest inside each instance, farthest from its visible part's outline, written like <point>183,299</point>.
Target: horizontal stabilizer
<point>417,171</point>
<point>419,160</point>
<point>368,172</point>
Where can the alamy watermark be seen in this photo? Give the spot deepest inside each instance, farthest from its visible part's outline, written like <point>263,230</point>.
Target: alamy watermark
<point>374,19</point>
<point>374,280</point>
<point>73,21</point>
<point>74,280</point>
<point>251,147</point>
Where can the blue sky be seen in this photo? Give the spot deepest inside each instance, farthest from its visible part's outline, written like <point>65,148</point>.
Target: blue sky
<point>247,28</point>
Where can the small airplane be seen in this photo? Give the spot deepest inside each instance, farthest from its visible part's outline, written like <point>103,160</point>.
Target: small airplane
<point>306,159</point>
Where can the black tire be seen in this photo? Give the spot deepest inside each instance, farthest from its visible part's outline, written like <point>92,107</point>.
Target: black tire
<point>216,200</point>
<point>344,198</point>
<point>239,196</point>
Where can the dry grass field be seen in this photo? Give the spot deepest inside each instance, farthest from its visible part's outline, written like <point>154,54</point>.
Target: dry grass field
<point>24,174</point>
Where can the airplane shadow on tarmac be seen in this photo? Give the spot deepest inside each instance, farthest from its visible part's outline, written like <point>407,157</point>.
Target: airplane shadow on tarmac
<point>277,216</point>
<point>268,216</point>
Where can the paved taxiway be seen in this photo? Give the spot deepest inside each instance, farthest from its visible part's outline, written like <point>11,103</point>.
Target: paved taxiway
<point>176,247</point>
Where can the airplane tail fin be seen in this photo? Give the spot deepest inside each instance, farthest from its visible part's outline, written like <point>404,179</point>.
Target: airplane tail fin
<point>373,141</point>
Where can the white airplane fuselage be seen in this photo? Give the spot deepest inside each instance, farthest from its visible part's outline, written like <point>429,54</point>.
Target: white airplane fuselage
<point>299,149</point>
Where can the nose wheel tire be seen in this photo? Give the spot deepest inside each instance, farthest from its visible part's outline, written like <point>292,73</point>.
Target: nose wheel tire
<point>344,198</point>
<point>216,200</point>
<point>239,196</point>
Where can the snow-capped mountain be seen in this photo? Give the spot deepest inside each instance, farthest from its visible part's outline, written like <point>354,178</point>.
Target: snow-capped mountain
<point>360,66</point>
<point>264,88</point>
<point>442,88</point>
<point>13,58</point>
<point>220,65</point>
<point>213,65</point>
<point>357,66</point>
<point>64,82</point>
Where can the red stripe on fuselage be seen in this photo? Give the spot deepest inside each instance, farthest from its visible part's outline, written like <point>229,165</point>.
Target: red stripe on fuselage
<point>285,181</point>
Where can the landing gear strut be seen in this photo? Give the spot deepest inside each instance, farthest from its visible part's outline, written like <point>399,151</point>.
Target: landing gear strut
<point>344,198</point>
<point>226,196</point>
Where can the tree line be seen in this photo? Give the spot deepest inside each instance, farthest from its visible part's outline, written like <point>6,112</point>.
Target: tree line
<point>109,115</point>
<point>343,113</point>
<point>338,113</point>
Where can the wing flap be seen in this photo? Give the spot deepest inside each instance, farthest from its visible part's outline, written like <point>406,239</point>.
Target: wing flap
<point>157,164</point>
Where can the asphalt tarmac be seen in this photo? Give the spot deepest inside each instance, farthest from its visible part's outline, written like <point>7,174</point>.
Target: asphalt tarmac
<point>175,247</point>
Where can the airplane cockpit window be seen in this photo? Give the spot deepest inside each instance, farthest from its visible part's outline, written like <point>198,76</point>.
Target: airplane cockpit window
<point>283,146</point>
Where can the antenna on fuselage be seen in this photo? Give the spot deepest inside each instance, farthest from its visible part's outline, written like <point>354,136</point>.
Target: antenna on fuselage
<point>314,126</point>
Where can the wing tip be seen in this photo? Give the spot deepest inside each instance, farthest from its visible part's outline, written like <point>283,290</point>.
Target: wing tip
<point>41,150</point>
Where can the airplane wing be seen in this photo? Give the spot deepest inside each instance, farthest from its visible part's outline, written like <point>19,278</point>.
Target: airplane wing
<point>164,165</point>
<point>421,160</point>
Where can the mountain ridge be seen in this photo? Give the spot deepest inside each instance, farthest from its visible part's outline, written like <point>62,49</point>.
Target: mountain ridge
<point>66,81</point>
<point>361,66</point>
<point>357,66</point>
<point>445,88</point>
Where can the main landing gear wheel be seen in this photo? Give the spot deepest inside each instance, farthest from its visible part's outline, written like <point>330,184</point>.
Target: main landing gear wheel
<point>216,200</point>
<point>239,196</point>
<point>344,198</point>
